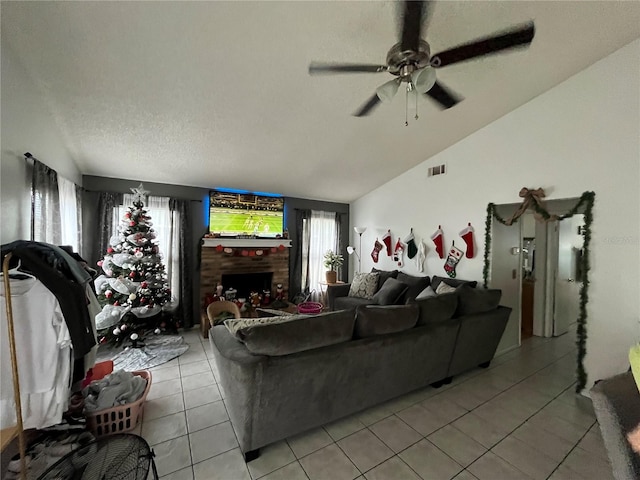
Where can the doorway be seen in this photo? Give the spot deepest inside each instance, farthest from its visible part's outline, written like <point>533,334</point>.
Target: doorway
<point>537,267</point>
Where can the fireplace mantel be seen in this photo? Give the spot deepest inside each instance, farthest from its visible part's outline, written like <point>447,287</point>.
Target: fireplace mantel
<point>246,242</point>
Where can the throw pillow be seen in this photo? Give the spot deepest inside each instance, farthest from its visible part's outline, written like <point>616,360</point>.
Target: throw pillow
<point>444,288</point>
<point>436,309</point>
<point>426,293</point>
<point>304,332</point>
<point>374,320</point>
<point>364,285</point>
<point>477,300</point>
<point>416,284</point>
<point>390,293</point>
<point>384,275</point>
<point>454,282</point>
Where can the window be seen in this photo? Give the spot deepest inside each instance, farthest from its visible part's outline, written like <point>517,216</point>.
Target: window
<point>320,233</point>
<point>70,230</point>
<point>55,209</point>
<point>166,236</point>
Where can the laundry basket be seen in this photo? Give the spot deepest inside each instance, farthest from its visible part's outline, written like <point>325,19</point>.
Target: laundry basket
<point>310,307</point>
<point>121,418</point>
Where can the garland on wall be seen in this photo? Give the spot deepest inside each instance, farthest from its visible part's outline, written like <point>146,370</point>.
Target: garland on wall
<point>533,199</point>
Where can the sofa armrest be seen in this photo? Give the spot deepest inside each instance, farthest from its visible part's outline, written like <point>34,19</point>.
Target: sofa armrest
<point>616,403</point>
<point>230,348</point>
<point>334,291</point>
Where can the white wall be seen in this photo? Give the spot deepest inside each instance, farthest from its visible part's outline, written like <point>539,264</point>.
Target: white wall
<point>27,126</point>
<point>581,135</point>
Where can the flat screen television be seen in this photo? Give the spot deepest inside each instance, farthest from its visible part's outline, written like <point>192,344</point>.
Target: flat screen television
<point>233,214</point>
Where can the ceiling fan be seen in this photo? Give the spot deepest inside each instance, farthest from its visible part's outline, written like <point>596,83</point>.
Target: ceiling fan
<point>411,62</point>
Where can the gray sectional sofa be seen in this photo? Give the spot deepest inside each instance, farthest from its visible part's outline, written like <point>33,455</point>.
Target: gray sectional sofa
<point>284,378</point>
<point>616,403</point>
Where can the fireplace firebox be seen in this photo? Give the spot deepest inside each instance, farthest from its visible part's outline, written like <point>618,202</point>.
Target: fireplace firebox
<point>245,283</point>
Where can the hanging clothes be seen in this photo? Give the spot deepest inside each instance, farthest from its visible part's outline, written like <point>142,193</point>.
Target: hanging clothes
<point>44,353</point>
<point>67,280</point>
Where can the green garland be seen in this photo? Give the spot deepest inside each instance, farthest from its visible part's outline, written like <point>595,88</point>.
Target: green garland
<point>585,202</point>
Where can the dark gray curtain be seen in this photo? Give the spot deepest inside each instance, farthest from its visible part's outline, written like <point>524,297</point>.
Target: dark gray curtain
<point>295,276</point>
<point>106,203</point>
<point>45,204</point>
<point>185,295</point>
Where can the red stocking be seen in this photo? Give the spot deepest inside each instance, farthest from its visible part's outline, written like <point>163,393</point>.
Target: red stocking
<point>376,250</point>
<point>438,239</point>
<point>386,239</point>
<point>467,236</point>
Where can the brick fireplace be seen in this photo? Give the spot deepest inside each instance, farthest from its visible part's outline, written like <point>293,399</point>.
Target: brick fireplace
<point>215,263</point>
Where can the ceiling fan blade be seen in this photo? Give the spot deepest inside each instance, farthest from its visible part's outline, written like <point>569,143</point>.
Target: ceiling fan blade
<point>412,17</point>
<point>516,37</point>
<point>320,68</point>
<point>368,107</point>
<point>445,97</point>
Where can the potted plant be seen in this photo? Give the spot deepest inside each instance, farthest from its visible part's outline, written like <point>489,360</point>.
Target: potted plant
<point>332,261</point>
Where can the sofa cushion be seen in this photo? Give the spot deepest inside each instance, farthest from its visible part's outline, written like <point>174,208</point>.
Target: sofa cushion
<point>454,282</point>
<point>416,285</point>
<point>374,320</point>
<point>384,275</point>
<point>477,300</point>
<point>390,293</point>
<point>445,288</point>
<point>426,293</point>
<point>296,333</point>
<point>350,303</point>
<point>364,285</point>
<point>436,309</point>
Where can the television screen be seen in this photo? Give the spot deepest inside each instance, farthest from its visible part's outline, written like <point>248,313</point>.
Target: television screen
<point>234,214</point>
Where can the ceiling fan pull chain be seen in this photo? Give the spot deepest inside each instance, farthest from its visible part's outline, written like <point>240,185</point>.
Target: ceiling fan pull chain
<point>416,117</point>
<point>406,107</point>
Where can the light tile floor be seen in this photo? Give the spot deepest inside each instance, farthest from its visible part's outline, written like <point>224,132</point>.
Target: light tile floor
<point>518,419</point>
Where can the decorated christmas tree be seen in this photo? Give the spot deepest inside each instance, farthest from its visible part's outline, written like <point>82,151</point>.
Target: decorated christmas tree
<point>133,288</point>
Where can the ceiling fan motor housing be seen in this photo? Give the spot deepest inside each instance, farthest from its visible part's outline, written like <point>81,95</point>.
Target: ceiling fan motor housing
<point>404,63</point>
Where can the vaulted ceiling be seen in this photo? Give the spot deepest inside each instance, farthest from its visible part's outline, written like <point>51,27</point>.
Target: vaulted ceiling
<point>217,94</point>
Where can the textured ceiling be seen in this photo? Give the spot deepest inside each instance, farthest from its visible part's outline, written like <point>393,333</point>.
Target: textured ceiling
<point>217,94</point>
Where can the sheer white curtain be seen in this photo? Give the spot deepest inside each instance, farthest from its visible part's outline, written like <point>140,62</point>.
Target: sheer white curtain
<point>321,235</point>
<point>166,237</point>
<point>68,213</point>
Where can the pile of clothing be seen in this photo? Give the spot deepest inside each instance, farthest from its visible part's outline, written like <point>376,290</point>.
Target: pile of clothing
<point>115,389</point>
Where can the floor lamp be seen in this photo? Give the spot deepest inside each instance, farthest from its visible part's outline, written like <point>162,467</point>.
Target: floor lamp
<point>350,249</point>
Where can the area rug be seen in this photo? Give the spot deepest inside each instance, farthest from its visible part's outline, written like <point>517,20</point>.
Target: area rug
<point>157,349</point>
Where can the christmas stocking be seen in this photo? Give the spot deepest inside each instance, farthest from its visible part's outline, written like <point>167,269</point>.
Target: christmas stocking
<point>376,250</point>
<point>398,252</point>
<point>386,239</point>
<point>422,254</point>
<point>438,239</point>
<point>467,236</point>
<point>455,254</point>
<point>412,249</point>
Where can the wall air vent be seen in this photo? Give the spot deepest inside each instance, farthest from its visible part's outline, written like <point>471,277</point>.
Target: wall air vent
<point>437,170</point>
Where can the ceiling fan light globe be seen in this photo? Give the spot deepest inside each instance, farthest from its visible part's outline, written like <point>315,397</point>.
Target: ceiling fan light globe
<point>424,79</point>
<point>388,90</point>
